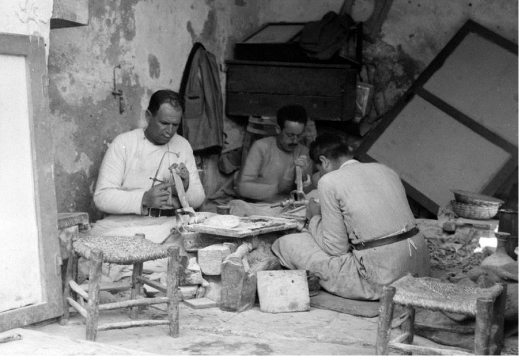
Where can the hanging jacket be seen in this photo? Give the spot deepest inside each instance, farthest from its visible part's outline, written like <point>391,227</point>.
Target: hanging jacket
<point>202,123</point>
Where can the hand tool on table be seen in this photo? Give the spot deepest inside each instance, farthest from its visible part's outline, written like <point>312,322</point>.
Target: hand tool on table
<point>297,196</point>
<point>186,209</point>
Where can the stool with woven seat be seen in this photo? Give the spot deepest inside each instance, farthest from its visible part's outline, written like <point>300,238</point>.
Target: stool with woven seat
<point>123,250</point>
<point>486,304</point>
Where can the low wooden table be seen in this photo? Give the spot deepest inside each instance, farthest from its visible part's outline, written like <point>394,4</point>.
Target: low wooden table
<point>249,226</point>
<point>250,244</point>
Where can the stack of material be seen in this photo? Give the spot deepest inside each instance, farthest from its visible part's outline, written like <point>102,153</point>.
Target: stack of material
<point>453,252</point>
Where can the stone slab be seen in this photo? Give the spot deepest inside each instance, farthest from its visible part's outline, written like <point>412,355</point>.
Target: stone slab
<point>283,291</point>
<point>210,258</point>
<point>33,342</point>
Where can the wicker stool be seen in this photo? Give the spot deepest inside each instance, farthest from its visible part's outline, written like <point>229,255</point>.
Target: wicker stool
<point>487,305</point>
<point>124,250</point>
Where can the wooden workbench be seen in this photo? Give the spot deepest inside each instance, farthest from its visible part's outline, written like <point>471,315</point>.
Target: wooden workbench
<point>249,226</point>
<point>251,252</point>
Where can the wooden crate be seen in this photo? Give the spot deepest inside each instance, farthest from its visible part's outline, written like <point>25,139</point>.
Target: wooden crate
<point>257,88</point>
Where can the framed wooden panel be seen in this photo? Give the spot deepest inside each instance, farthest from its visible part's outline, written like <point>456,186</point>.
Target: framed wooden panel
<point>456,126</point>
<point>30,287</point>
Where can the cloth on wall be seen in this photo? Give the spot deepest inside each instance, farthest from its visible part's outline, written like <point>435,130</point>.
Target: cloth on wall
<point>202,124</point>
<point>322,39</point>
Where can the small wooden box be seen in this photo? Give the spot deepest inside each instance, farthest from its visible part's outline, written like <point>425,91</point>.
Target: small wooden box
<point>258,88</point>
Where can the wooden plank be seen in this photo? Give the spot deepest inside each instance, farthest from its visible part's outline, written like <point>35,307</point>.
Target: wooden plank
<point>201,303</point>
<point>286,79</point>
<point>425,350</point>
<point>131,324</point>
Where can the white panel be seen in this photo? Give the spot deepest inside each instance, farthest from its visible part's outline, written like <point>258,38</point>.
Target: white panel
<point>434,153</point>
<point>480,79</point>
<point>20,282</point>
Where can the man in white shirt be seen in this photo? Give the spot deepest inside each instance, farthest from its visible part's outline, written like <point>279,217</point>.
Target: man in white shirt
<point>135,187</point>
<point>268,175</point>
<point>135,176</point>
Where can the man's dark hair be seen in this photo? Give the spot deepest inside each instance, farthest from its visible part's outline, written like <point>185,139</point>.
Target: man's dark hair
<point>165,96</point>
<point>295,113</point>
<point>332,145</point>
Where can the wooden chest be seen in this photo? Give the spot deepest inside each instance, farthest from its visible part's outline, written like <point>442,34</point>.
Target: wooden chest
<point>258,88</point>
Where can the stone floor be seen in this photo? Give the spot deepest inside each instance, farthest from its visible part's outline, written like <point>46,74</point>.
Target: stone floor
<point>215,332</point>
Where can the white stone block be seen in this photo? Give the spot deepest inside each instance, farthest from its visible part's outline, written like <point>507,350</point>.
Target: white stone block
<point>283,291</point>
<point>210,258</point>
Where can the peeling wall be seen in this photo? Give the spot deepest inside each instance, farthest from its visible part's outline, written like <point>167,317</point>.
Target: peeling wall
<point>151,39</point>
<point>26,17</point>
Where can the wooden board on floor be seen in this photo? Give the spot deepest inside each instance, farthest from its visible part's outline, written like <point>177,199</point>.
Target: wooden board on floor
<point>364,308</point>
<point>39,343</point>
<point>201,303</point>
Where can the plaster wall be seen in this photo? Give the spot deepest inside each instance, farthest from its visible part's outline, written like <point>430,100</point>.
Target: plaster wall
<point>26,17</point>
<point>151,40</point>
<point>415,31</point>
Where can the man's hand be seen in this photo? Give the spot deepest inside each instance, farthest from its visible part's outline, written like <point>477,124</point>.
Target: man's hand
<point>302,162</point>
<point>183,173</point>
<point>157,196</point>
<point>312,208</point>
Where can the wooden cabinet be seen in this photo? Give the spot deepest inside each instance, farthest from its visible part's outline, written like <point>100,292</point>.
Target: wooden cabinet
<point>259,88</point>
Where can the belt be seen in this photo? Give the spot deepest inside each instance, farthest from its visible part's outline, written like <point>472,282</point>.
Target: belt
<point>386,241</point>
<point>156,213</point>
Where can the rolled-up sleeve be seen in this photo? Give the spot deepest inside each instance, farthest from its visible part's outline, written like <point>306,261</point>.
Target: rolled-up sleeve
<point>109,196</point>
<point>251,184</point>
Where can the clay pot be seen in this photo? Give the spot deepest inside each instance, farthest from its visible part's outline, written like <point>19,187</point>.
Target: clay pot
<point>500,257</point>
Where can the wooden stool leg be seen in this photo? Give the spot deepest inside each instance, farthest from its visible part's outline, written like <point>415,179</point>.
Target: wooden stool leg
<point>384,320</point>
<point>69,275</point>
<point>172,291</point>
<point>498,325</point>
<point>96,263</point>
<point>484,313</point>
<point>408,326</point>
<point>136,288</point>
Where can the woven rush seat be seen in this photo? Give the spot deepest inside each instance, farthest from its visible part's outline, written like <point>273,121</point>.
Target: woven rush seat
<point>486,304</point>
<point>430,293</point>
<point>123,250</point>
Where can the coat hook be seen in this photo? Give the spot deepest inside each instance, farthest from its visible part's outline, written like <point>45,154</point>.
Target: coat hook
<point>118,93</point>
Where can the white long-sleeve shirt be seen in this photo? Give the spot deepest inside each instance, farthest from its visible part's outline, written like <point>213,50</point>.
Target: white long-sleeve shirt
<point>130,162</point>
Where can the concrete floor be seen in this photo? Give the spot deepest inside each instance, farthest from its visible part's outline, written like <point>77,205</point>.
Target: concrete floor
<point>212,332</point>
<point>215,332</point>
<point>253,332</point>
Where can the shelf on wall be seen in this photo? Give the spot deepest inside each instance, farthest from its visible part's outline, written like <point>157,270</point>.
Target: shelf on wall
<point>69,13</point>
